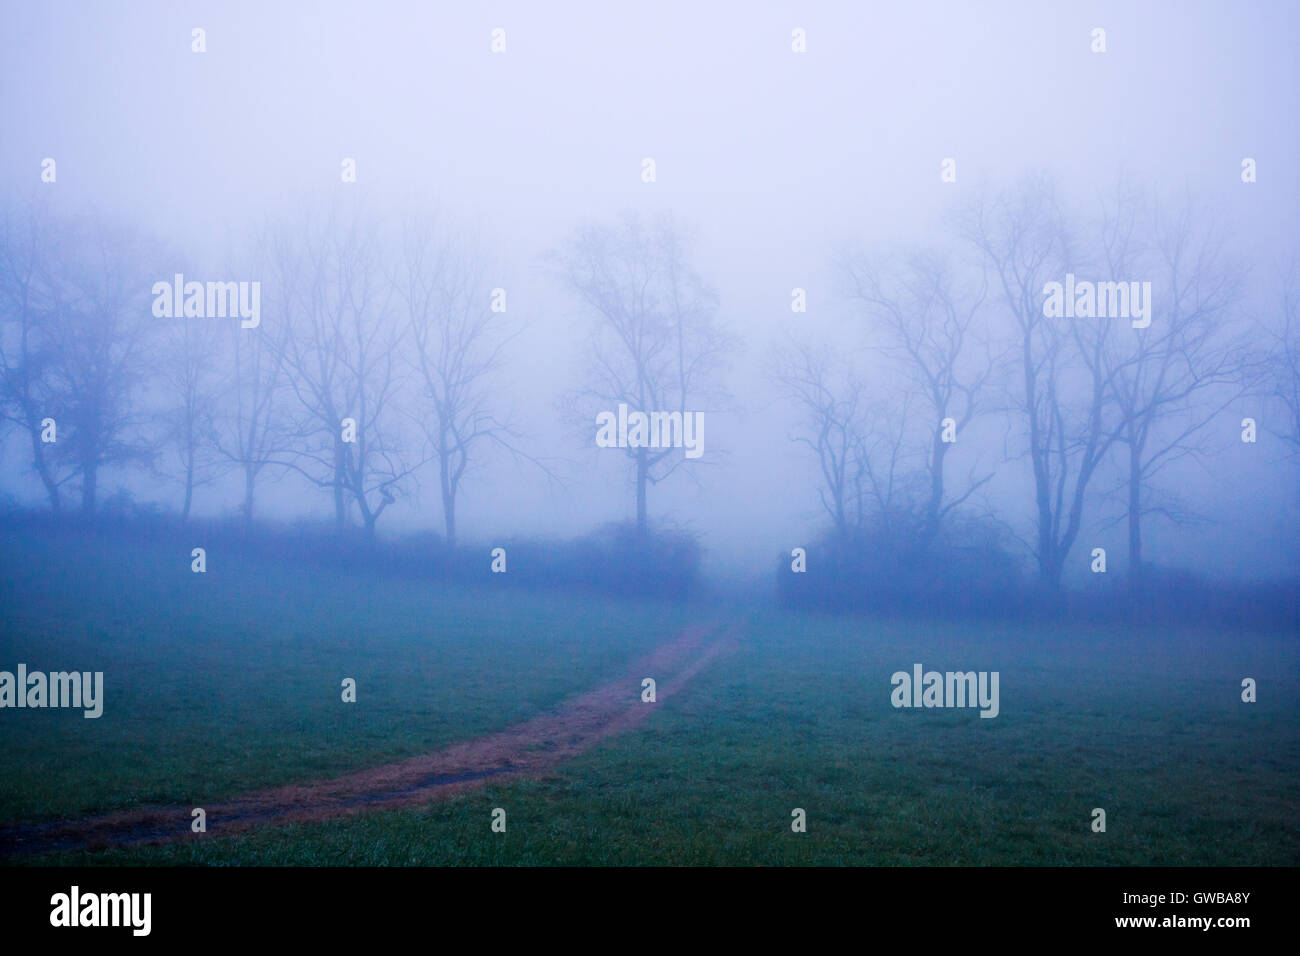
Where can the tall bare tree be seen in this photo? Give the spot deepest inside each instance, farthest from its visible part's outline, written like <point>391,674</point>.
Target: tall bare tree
<point>28,256</point>
<point>188,368</point>
<point>455,347</point>
<point>1171,379</point>
<point>100,326</point>
<point>1062,390</point>
<point>252,423</point>
<point>859,440</point>
<point>1284,356</point>
<point>835,426</point>
<point>341,357</point>
<point>655,343</point>
<point>924,319</point>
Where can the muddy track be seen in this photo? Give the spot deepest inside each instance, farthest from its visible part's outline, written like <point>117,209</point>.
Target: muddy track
<point>523,750</point>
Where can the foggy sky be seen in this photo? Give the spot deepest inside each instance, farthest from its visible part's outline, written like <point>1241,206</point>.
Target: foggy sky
<point>773,158</point>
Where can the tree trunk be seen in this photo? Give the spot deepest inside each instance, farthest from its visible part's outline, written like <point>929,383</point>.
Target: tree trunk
<point>642,479</point>
<point>936,491</point>
<point>250,480</point>
<point>449,518</point>
<point>1049,575</point>
<point>89,482</point>
<point>43,467</point>
<point>340,477</point>
<point>1050,569</point>
<point>1134,520</point>
<point>189,494</point>
<point>448,491</point>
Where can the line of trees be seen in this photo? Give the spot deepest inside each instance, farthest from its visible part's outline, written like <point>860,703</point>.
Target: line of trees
<point>378,360</point>
<point>964,336</point>
<point>380,355</point>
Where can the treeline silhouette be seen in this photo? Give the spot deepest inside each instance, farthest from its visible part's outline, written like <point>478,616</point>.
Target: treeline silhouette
<point>970,573</point>
<point>615,559</point>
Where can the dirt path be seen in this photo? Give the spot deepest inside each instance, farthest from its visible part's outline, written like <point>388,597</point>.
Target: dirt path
<point>526,749</point>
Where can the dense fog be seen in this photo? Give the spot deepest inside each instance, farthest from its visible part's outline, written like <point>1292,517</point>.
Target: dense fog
<point>973,290</point>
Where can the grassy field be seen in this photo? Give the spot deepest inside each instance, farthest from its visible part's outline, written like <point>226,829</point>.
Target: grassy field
<point>222,683</point>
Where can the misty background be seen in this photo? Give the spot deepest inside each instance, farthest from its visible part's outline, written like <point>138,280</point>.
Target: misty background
<point>778,165</point>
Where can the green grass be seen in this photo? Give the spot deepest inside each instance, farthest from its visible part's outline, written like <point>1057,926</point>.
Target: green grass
<point>226,682</point>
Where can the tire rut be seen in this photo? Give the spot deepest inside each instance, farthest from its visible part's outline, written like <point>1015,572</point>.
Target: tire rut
<point>527,749</point>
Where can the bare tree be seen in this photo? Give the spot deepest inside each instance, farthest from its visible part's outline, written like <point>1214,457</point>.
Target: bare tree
<point>835,426</point>
<point>1171,379</point>
<point>1062,389</point>
<point>28,253</point>
<point>456,344</point>
<point>1284,356</point>
<point>655,344</point>
<point>252,431</point>
<point>923,319</point>
<point>340,353</point>
<point>188,370</point>
<point>100,324</point>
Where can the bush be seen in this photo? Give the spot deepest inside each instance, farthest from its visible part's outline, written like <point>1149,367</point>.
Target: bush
<point>967,570</point>
<point>613,559</point>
